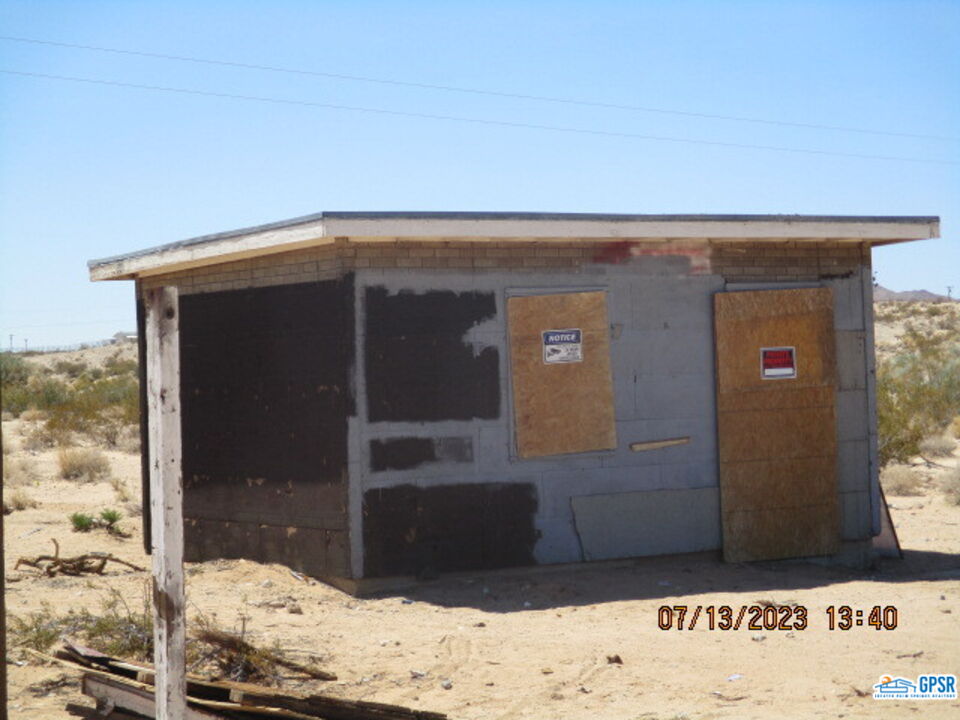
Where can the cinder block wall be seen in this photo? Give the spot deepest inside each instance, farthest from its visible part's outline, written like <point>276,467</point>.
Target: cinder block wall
<point>660,310</point>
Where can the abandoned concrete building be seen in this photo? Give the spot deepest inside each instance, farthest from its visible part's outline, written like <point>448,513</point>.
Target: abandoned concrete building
<point>379,394</point>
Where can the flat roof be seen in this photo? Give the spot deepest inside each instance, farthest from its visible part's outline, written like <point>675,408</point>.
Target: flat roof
<point>324,228</point>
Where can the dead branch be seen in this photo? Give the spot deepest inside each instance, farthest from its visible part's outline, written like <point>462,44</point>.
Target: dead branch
<point>86,564</point>
<point>237,646</point>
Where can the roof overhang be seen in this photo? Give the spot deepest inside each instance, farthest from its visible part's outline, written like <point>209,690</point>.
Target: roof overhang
<point>359,227</point>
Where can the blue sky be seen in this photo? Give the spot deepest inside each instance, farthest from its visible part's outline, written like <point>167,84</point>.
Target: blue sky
<point>88,170</point>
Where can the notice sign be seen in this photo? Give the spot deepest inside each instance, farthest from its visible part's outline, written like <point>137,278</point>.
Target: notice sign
<point>562,346</point>
<point>778,363</point>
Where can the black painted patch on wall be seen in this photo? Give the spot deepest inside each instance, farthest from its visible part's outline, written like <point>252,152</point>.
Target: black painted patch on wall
<point>409,530</point>
<point>265,395</point>
<point>418,368</point>
<point>400,453</point>
<point>411,452</point>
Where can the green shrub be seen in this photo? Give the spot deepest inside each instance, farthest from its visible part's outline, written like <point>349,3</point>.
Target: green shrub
<point>109,520</point>
<point>82,522</point>
<point>16,399</point>
<point>38,393</point>
<point>14,370</point>
<point>99,408</point>
<point>48,393</point>
<point>71,368</point>
<point>918,394</point>
<point>115,366</point>
<point>110,516</point>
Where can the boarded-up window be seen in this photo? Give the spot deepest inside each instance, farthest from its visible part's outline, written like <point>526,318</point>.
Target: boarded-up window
<point>560,360</point>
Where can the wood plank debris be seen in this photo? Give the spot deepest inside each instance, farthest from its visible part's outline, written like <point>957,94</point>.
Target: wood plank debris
<point>128,687</point>
<point>658,444</point>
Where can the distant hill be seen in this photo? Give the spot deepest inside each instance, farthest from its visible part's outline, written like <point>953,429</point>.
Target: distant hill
<point>881,294</point>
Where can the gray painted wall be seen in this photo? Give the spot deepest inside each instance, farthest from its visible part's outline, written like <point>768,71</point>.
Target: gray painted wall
<point>663,381</point>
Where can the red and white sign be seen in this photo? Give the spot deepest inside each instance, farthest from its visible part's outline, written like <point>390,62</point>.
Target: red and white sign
<point>778,363</point>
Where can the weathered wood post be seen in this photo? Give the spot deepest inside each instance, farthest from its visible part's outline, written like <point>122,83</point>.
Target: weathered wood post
<point>166,501</point>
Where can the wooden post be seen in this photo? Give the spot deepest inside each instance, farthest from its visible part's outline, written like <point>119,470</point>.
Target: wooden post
<point>166,501</point>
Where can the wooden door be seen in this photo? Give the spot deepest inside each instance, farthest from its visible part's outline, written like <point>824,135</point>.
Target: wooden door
<point>776,417</point>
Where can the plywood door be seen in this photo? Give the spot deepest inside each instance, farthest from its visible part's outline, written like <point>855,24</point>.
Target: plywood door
<point>777,437</point>
<point>564,407</point>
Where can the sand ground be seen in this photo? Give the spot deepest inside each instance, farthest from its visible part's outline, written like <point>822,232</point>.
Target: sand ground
<point>535,644</point>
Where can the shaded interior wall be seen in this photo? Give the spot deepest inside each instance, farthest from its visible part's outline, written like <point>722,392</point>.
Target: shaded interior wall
<point>144,434</point>
<point>661,320</point>
<point>266,392</point>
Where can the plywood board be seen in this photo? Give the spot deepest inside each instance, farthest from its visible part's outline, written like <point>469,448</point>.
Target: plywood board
<point>647,523</point>
<point>770,484</point>
<point>564,407</point>
<point>778,434</point>
<point>800,531</point>
<point>777,437</point>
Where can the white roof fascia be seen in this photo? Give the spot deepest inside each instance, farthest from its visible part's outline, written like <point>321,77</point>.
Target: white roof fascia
<point>321,230</point>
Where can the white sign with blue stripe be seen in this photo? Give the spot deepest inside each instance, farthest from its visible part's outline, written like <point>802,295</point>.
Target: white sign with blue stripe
<point>562,346</point>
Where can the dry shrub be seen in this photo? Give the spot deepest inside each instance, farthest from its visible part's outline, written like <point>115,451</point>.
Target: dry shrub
<point>901,480</point>
<point>84,464</point>
<point>19,472</point>
<point>938,446</point>
<point>37,630</point>
<point>951,487</point>
<point>20,500</point>
<point>42,437</point>
<point>120,489</point>
<point>7,448</point>
<point>129,441</point>
<point>116,630</point>
<point>33,415</point>
<point>955,426</point>
<point>235,658</point>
